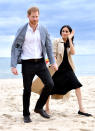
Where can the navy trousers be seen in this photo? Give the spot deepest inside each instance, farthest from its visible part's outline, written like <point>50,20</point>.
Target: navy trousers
<point>30,68</point>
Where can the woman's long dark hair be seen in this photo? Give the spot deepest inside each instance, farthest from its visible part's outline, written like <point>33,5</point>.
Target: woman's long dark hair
<point>70,29</point>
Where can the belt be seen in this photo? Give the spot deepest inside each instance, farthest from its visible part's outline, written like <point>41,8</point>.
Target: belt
<point>34,60</point>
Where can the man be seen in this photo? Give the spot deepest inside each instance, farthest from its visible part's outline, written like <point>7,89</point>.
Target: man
<point>30,46</point>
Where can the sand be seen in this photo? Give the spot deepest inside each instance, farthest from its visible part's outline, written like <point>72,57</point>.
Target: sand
<point>64,116</point>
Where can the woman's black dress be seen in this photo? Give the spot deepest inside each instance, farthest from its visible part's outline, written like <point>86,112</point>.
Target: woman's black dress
<point>64,79</point>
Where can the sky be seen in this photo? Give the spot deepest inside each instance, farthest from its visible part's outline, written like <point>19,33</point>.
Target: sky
<point>79,14</point>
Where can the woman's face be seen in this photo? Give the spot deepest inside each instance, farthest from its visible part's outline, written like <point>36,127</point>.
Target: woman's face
<point>65,33</point>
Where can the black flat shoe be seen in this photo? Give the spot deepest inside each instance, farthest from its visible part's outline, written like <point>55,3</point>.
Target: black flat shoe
<point>85,114</point>
<point>42,113</point>
<point>27,119</point>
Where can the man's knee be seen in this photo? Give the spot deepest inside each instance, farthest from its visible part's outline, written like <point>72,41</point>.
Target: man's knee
<point>27,91</point>
<point>50,84</point>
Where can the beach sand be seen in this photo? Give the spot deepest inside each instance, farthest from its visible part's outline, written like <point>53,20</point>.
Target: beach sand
<point>64,115</point>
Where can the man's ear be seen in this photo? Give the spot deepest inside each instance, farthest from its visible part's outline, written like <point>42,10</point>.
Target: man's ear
<point>28,15</point>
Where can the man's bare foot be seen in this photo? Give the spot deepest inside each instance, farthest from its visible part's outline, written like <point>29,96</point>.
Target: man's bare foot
<point>47,111</point>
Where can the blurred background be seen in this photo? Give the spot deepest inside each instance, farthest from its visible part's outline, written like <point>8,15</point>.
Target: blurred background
<point>80,15</point>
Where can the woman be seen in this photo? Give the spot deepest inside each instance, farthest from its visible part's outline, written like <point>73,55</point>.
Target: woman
<point>65,79</point>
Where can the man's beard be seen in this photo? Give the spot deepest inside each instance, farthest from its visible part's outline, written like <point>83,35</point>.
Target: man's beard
<point>34,22</point>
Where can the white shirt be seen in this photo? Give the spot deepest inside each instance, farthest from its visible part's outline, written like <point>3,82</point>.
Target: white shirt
<point>32,45</point>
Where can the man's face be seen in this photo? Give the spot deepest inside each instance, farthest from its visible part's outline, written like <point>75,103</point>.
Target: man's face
<point>34,18</point>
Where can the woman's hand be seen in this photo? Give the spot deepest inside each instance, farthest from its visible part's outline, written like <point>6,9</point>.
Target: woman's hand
<point>72,50</point>
<point>71,35</point>
<point>54,66</point>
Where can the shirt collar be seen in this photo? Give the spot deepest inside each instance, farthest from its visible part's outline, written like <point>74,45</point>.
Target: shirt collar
<point>29,27</point>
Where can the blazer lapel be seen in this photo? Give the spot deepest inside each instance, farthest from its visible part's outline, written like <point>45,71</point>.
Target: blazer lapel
<point>23,32</point>
<point>42,35</point>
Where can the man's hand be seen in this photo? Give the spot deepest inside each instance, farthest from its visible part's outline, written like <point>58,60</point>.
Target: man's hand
<point>54,66</point>
<point>14,71</point>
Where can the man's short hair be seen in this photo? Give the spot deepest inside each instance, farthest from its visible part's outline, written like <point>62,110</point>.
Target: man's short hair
<point>32,9</point>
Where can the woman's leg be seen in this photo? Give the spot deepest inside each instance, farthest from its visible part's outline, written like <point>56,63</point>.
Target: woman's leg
<point>81,109</point>
<point>79,98</point>
<point>47,105</point>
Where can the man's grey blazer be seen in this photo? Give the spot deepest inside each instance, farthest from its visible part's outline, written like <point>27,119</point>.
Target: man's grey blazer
<point>19,40</point>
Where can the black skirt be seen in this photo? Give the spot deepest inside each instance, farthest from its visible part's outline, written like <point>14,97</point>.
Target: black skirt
<point>64,79</point>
